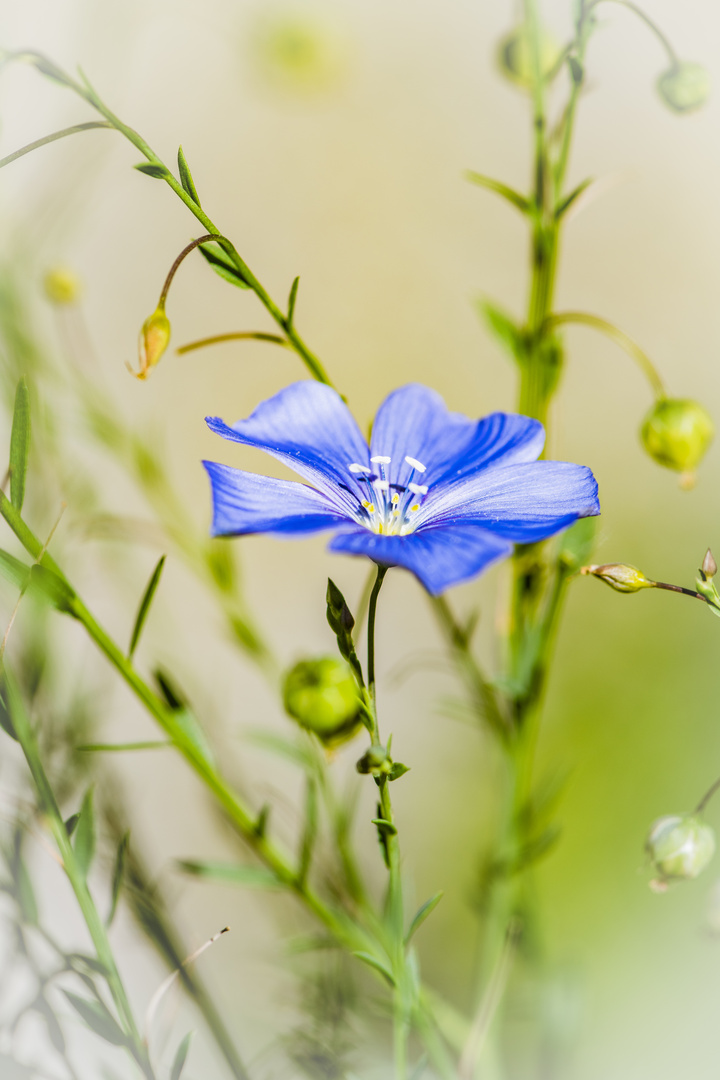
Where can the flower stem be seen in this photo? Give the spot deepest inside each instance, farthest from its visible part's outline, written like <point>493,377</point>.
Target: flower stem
<point>664,41</point>
<point>707,797</point>
<point>174,268</point>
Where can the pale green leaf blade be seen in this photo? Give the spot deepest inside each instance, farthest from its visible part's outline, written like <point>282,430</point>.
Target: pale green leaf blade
<point>85,835</point>
<point>222,265</point>
<point>422,914</point>
<point>145,603</point>
<point>186,177</point>
<point>118,875</point>
<point>253,877</point>
<point>19,444</point>
<point>513,197</point>
<point>180,1057</point>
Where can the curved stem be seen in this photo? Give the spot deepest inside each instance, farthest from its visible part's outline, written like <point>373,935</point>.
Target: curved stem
<point>74,130</point>
<point>707,797</point>
<point>174,268</point>
<point>619,336</point>
<point>664,41</point>
<point>242,335</point>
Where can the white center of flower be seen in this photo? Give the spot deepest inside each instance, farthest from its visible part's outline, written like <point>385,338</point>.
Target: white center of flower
<point>389,509</point>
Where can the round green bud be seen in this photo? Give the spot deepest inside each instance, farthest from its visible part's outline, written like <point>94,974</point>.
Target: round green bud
<point>680,848</point>
<point>685,86</point>
<point>515,56</point>
<point>676,433</point>
<point>62,285</point>
<point>322,696</point>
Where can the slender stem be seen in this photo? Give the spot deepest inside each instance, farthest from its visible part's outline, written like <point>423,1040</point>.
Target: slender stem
<point>680,589</point>
<point>89,126</point>
<point>372,607</point>
<point>246,335</point>
<point>568,122</point>
<point>707,797</point>
<point>489,1004</point>
<point>174,268</point>
<point>619,336</point>
<point>664,41</point>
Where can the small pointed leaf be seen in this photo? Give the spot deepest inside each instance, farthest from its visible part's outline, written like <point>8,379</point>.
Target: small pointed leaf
<point>145,603</point>
<point>19,444</point>
<point>504,329</point>
<point>158,172</point>
<point>564,205</point>
<point>13,570</point>
<point>422,913</point>
<point>378,965</point>
<point>118,874</point>
<point>180,1057</point>
<point>71,824</point>
<point>222,264</point>
<point>291,301</point>
<point>398,770</point>
<point>98,1019</point>
<point>85,835</point>
<point>513,197</point>
<point>254,877</point>
<point>186,177</point>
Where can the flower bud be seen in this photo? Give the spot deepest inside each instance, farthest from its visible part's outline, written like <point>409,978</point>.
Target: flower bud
<point>684,86</point>
<point>62,285</point>
<point>516,60</point>
<point>322,696</point>
<point>680,847</point>
<point>154,340</point>
<point>620,577</point>
<point>676,433</point>
<point>709,566</point>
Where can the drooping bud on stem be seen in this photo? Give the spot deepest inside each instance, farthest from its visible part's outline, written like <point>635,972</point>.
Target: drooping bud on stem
<point>322,696</point>
<point>680,847</point>
<point>684,86</point>
<point>154,340</point>
<point>676,433</point>
<point>621,577</point>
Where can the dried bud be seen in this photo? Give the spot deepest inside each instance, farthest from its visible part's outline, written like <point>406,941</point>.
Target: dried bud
<point>709,566</point>
<point>154,340</point>
<point>515,56</point>
<point>680,847</point>
<point>685,86</point>
<point>620,577</point>
<point>322,696</point>
<point>62,285</point>
<point>676,433</point>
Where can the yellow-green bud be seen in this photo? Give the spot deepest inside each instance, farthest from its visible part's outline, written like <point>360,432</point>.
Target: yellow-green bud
<point>299,53</point>
<point>322,696</point>
<point>676,433</point>
<point>154,340</point>
<point>680,847</point>
<point>620,577</point>
<point>62,285</point>
<point>685,86</point>
<point>516,60</point>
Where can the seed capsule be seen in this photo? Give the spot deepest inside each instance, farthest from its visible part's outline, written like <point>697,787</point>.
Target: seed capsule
<point>676,433</point>
<point>680,847</point>
<point>516,60</point>
<point>322,696</point>
<point>685,86</point>
<point>621,577</point>
<point>154,340</point>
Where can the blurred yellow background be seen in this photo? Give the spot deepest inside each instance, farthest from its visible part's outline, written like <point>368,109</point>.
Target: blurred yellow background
<point>346,169</point>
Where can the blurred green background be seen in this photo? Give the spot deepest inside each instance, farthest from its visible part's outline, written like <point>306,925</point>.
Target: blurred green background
<point>344,165</point>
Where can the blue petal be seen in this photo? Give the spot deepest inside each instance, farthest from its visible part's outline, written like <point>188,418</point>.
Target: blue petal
<point>307,426</point>
<point>414,421</point>
<point>522,503</point>
<point>244,502</point>
<point>438,557</point>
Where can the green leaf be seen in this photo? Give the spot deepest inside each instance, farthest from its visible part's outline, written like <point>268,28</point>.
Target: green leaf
<point>422,914</point>
<point>71,824</point>
<point>145,603</point>
<point>55,588</point>
<point>398,770</point>
<point>262,820</point>
<point>98,1019</point>
<point>222,264</point>
<point>98,748</point>
<point>186,177</point>
<point>118,874</point>
<point>514,197</point>
<point>309,831</point>
<point>253,877</point>
<point>384,826</point>
<point>504,329</point>
<point>565,204</point>
<point>378,965</point>
<point>85,835</point>
<point>172,694</point>
<point>13,570</point>
<point>291,301</point>
<point>180,1057</point>
<point>19,444</point>
<point>189,725</point>
<point>5,719</point>
<point>149,168</point>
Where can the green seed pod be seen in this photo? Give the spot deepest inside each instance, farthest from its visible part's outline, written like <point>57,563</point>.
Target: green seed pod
<point>680,848</point>
<point>154,340</point>
<point>684,87</point>
<point>515,56</point>
<point>676,433</point>
<point>322,696</point>
<point>62,285</point>
<point>620,576</point>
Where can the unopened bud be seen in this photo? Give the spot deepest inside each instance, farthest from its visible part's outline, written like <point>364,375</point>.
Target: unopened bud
<point>680,847</point>
<point>676,433</point>
<point>322,696</point>
<point>685,86</point>
<point>515,56</point>
<point>709,566</point>
<point>154,340</point>
<point>62,285</point>
<point>376,761</point>
<point>621,577</point>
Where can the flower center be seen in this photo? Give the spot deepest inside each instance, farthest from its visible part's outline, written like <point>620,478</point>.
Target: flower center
<point>389,509</point>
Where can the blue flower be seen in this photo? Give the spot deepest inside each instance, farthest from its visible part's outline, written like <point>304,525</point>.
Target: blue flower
<point>435,492</point>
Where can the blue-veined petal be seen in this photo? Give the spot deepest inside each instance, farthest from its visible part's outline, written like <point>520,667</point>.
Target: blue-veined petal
<point>415,422</point>
<point>309,427</point>
<point>439,557</point>
<point>244,502</point>
<point>522,503</point>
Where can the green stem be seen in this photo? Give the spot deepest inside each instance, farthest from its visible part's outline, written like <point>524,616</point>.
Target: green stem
<point>619,336</point>
<point>174,268</point>
<point>242,335</point>
<point>664,41</point>
<point>74,130</point>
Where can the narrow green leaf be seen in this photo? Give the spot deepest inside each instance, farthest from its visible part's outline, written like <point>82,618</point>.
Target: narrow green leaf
<point>291,301</point>
<point>398,770</point>
<point>422,913</point>
<point>504,329</point>
<point>85,835</point>
<point>254,877</point>
<point>189,725</point>
<point>341,622</point>
<point>5,719</point>
<point>565,204</point>
<point>262,820</point>
<point>118,874</point>
<point>514,197</point>
<point>222,264</point>
<point>97,748</point>
<point>384,826</point>
<point>82,963</point>
<point>98,1019</point>
<point>57,591</point>
<point>13,570</point>
<point>186,177</point>
<point>19,444</point>
<point>378,965</point>
<point>145,603</point>
<point>309,831</point>
<point>71,824</point>
<point>171,692</point>
<point>180,1057</point>
<point>149,168</point>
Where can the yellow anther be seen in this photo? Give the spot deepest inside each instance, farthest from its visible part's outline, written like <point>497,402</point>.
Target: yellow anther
<point>396,497</point>
<point>415,507</point>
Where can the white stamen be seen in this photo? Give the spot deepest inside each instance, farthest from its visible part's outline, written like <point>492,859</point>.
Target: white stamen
<point>355,468</point>
<point>416,464</point>
<point>383,485</point>
<point>418,489</point>
<point>378,460</point>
